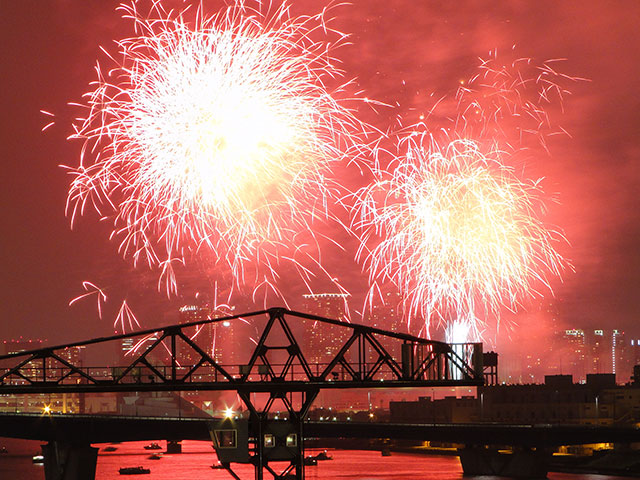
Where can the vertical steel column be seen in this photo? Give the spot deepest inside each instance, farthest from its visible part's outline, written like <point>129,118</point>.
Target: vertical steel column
<point>174,354</point>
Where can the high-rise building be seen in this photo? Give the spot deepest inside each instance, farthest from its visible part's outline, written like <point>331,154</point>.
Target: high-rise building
<point>126,349</point>
<point>618,354</point>
<point>73,355</point>
<point>388,315</point>
<point>599,357</point>
<point>575,350</point>
<point>130,346</point>
<point>326,340</point>
<point>225,341</point>
<point>32,369</point>
<point>633,353</point>
<point>202,336</point>
<point>219,339</point>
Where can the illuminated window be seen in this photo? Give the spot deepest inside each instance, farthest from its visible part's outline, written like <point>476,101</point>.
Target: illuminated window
<point>226,438</point>
<point>292,440</point>
<point>269,441</point>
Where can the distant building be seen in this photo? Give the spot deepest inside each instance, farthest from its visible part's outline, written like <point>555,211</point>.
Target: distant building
<point>326,340</point>
<point>55,402</point>
<point>31,370</point>
<point>574,348</point>
<point>387,316</point>
<point>425,410</point>
<point>202,336</point>
<point>583,352</point>
<point>598,401</point>
<point>220,340</point>
<point>620,362</point>
<point>599,357</point>
<point>21,345</point>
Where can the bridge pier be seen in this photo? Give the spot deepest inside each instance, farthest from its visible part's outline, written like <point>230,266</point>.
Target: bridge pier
<point>65,461</point>
<point>521,463</point>
<point>174,446</point>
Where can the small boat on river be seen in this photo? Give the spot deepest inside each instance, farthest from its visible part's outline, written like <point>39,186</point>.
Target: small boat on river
<point>134,471</point>
<point>323,456</point>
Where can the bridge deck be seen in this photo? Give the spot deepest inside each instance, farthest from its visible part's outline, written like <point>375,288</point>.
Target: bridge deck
<point>103,429</point>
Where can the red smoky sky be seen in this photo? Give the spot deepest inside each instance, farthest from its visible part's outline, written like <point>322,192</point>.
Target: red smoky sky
<point>403,53</point>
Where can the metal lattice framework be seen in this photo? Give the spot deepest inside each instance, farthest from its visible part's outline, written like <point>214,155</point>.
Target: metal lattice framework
<point>367,358</point>
<point>277,366</point>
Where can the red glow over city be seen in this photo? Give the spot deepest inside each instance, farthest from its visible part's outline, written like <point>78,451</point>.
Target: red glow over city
<point>383,238</point>
<point>461,173</point>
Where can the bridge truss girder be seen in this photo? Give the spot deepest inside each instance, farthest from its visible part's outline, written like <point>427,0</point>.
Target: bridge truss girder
<point>368,358</point>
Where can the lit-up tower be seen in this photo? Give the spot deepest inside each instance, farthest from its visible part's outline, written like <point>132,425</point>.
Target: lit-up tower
<point>600,352</point>
<point>616,346</point>
<point>575,340</point>
<point>218,339</point>
<point>325,341</point>
<point>387,316</point>
<point>204,337</point>
<point>621,355</point>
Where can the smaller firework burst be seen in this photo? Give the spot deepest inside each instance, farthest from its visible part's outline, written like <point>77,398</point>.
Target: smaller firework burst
<point>456,230</point>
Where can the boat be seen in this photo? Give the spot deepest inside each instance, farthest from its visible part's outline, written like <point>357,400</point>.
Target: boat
<point>3,450</point>
<point>109,449</point>
<point>134,470</point>
<point>385,452</point>
<point>310,461</point>
<point>217,466</point>
<point>155,456</point>
<point>38,458</point>
<point>153,446</point>
<point>323,456</point>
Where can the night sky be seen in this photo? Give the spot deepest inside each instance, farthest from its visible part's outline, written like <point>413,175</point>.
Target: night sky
<point>400,52</point>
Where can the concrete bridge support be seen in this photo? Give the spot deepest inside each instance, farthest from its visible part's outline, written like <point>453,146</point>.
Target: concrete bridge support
<point>174,446</point>
<point>521,463</point>
<point>64,461</point>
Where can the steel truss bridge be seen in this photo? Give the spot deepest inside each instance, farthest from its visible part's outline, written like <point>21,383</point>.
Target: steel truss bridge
<point>278,369</point>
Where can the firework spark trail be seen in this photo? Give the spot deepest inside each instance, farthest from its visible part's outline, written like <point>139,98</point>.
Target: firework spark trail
<point>125,318</point>
<point>51,122</point>
<point>508,101</point>
<point>215,136</point>
<point>92,289</point>
<point>455,230</point>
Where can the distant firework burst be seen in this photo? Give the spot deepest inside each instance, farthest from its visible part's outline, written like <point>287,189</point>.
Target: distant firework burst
<point>215,135</point>
<point>456,231</point>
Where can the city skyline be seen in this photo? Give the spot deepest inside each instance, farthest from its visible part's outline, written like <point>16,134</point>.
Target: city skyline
<point>574,352</point>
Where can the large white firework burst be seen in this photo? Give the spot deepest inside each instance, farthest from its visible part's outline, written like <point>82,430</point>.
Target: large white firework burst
<point>217,133</point>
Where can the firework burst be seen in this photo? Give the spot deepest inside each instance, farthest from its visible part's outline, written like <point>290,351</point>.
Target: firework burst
<point>215,135</point>
<point>455,230</point>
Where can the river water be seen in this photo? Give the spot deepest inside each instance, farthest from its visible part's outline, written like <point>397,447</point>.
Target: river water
<point>197,457</point>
